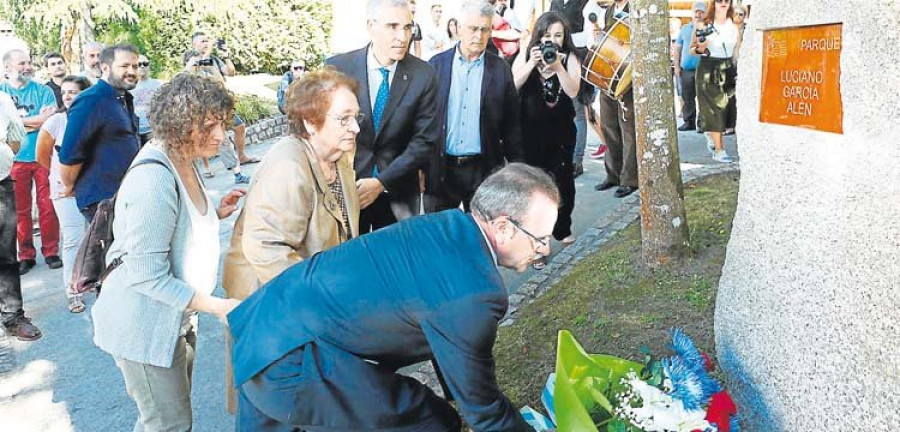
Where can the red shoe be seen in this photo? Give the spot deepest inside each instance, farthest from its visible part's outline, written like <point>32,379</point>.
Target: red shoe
<point>599,153</point>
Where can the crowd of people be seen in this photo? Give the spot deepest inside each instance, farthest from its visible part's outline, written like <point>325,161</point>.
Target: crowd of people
<point>331,285</point>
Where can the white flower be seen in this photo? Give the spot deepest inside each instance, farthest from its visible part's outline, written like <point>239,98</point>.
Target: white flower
<point>661,412</point>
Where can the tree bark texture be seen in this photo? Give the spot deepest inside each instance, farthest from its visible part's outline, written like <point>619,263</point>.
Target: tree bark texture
<point>664,229</point>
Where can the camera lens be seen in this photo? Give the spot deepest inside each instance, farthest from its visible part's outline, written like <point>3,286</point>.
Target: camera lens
<point>548,52</point>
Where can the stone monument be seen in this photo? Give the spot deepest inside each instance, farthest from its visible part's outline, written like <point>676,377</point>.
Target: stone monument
<point>808,311</point>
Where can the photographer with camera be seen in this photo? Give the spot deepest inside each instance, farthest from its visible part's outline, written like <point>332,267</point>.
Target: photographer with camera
<point>717,41</point>
<point>204,62</point>
<point>199,60</point>
<point>547,77</point>
<point>686,67</point>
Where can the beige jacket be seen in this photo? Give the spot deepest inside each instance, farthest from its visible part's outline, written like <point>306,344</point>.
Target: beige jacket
<point>289,215</point>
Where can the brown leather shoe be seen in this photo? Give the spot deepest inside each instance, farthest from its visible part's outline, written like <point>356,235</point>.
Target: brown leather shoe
<point>24,330</point>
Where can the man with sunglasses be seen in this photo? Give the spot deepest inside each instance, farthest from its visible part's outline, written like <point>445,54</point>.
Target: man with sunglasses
<point>143,93</point>
<point>297,70</point>
<point>319,347</point>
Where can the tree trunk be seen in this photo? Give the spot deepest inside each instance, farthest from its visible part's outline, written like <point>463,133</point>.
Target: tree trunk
<point>664,229</point>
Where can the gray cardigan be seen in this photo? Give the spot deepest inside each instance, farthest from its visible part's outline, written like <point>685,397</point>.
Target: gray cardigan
<point>138,315</point>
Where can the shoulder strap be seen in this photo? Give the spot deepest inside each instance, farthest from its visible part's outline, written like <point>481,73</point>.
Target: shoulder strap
<point>148,161</point>
<point>116,262</point>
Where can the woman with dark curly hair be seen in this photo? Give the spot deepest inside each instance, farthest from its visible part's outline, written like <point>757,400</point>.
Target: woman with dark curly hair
<point>166,233</point>
<point>303,198</point>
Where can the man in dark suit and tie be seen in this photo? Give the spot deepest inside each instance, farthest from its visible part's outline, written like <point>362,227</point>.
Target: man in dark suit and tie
<point>318,347</point>
<point>397,96</point>
<point>478,110</point>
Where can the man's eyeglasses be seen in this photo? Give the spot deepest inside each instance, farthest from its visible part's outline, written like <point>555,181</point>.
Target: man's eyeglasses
<point>299,68</point>
<point>723,1</point>
<point>544,242</point>
<point>345,120</point>
<point>144,64</point>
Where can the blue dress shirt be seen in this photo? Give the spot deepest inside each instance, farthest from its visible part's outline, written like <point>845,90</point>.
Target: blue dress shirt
<point>102,135</point>
<point>464,106</point>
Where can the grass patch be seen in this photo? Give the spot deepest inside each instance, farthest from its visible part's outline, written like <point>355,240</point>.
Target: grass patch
<point>613,305</point>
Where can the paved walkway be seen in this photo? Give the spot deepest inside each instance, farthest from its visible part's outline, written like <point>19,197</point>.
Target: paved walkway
<point>63,383</point>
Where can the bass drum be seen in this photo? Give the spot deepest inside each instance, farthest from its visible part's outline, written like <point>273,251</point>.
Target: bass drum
<point>607,64</point>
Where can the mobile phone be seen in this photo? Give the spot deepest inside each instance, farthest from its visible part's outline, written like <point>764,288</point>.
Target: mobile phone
<point>220,43</point>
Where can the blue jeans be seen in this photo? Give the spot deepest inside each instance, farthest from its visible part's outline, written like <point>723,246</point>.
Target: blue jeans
<point>10,283</point>
<point>580,130</point>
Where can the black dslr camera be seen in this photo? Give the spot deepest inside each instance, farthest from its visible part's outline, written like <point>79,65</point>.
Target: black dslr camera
<point>704,32</point>
<point>205,62</point>
<point>548,51</point>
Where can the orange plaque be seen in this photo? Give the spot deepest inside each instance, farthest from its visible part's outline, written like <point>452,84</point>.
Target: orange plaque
<point>801,80</point>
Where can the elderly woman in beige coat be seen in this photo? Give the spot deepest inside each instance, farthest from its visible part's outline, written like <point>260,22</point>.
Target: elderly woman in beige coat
<point>303,199</point>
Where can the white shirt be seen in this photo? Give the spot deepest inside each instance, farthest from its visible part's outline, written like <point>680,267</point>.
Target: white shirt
<point>511,17</point>
<point>201,255</point>
<point>11,129</point>
<point>723,40</point>
<point>432,37</point>
<point>372,66</point>
<point>56,127</point>
<point>585,37</point>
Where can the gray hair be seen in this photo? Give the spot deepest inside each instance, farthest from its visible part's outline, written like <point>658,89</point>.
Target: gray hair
<point>374,6</point>
<point>480,7</point>
<point>7,58</point>
<point>97,45</point>
<point>508,191</point>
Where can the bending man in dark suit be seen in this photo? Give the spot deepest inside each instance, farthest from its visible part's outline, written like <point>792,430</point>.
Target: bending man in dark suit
<point>318,347</point>
<point>397,96</point>
<point>478,110</point>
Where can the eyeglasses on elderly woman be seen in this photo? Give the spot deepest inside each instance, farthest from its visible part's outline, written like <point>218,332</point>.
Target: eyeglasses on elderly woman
<point>345,119</point>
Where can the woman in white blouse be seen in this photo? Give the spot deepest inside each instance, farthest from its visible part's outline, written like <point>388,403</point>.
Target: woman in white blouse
<point>71,222</point>
<point>716,72</point>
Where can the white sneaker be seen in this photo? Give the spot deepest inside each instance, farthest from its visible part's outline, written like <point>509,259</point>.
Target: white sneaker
<point>721,156</point>
<point>710,145</point>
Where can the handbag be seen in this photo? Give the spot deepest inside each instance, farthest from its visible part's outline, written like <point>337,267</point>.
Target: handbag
<point>90,268</point>
<point>730,83</point>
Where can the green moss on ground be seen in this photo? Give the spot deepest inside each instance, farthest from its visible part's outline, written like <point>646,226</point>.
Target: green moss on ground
<point>613,305</point>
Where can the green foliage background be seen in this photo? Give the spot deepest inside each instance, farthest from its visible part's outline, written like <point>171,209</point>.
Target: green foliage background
<point>254,108</point>
<point>263,35</point>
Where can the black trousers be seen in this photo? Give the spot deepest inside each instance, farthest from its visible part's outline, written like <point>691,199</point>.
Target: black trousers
<point>689,95</point>
<point>461,177</point>
<point>10,282</point>
<point>320,388</point>
<point>377,215</point>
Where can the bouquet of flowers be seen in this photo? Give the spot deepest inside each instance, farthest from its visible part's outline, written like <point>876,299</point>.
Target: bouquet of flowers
<point>591,392</point>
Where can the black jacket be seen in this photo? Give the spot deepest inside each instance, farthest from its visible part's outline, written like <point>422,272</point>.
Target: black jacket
<point>501,128</point>
<point>409,127</point>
